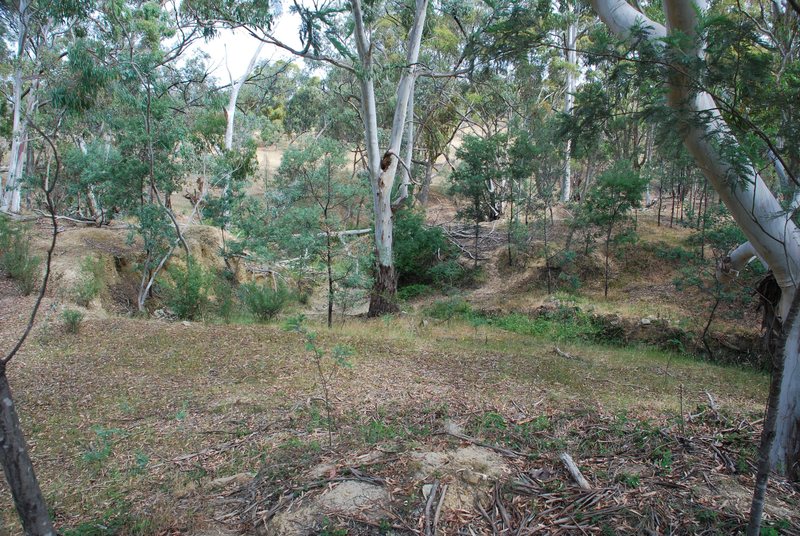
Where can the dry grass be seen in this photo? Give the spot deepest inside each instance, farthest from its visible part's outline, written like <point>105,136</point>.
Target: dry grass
<point>132,420</point>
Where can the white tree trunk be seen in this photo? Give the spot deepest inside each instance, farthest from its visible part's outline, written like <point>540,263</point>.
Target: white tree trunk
<point>230,111</point>
<point>408,157</point>
<point>569,101</point>
<point>383,169</point>
<point>773,235</point>
<point>19,135</point>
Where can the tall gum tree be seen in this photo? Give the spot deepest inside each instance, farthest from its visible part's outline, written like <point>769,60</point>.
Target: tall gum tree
<point>772,234</point>
<point>323,23</point>
<point>383,169</point>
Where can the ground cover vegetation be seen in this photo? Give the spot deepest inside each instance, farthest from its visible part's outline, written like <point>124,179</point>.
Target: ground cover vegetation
<point>442,268</point>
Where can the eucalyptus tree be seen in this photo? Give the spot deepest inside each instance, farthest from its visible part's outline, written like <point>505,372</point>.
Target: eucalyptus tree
<point>315,194</point>
<point>708,125</point>
<point>617,190</point>
<point>483,161</point>
<point>41,32</point>
<point>345,35</point>
<point>144,122</point>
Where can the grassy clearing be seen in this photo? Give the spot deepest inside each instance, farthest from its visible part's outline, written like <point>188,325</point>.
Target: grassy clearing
<point>131,421</point>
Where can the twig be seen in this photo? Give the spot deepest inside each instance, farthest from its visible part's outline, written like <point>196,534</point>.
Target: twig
<point>501,450</point>
<point>439,508</point>
<point>429,530</point>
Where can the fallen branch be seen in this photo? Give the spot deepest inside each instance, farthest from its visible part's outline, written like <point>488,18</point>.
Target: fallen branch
<point>429,526</point>
<point>574,472</point>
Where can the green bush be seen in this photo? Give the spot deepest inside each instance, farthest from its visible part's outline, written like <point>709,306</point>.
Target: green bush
<point>186,294</point>
<point>262,301</point>
<point>16,259</point>
<point>413,291</point>
<point>91,281</point>
<point>224,298</point>
<point>72,320</point>
<point>420,249</point>
<point>449,274</point>
<point>449,309</point>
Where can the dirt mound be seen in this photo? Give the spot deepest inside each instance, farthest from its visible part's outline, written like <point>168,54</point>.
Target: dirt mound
<point>119,254</point>
<point>469,472</point>
<point>350,497</point>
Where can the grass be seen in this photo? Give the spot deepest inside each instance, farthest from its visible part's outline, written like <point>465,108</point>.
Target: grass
<point>120,409</point>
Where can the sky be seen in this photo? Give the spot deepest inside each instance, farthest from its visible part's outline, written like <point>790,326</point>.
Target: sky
<point>232,50</point>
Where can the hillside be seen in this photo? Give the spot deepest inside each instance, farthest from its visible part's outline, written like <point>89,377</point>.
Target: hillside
<point>451,420</point>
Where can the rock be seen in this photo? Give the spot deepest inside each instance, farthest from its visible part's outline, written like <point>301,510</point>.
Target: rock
<point>426,490</point>
<point>429,462</point>
<point>645,321</point>
<point>350,497</point>
<point>471,477</point>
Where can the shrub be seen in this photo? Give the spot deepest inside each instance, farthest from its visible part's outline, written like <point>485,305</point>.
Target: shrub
<point>413,291</point>
<point>187,292</point>
<point>448,274</point>
<point>262,301</point>
<point>224,298</point>
<point>448,309</point>
<point>72,320</point>
<point>91,281</point>
<point>418,249</point>
<point>16,258</point>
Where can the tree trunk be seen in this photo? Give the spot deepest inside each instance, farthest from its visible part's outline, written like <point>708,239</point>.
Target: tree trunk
<point>329,265</point>
<point>770,230</point>
<point>230,111</point>
<point>383,168</point>
<point>19,134</point>
<point>425,188</point>
<point>405,173</point>
<point>788,344</point>
<point>477,236</point>
<point>18,468</point>
<point>569,101</point>
<point>605,279</point>
<point>382,299</point>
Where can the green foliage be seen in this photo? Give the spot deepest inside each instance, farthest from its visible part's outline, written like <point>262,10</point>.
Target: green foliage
<point>102,448</point>
<point>562,325</point>
<point>451,274</point>
<point>91,281</point>
<point>231,171</point>
<point>16,259</point>
<point>338,355</point>
<point>614,194</point>
<point>662,457</point>
<point>72,320</point>
<point>628,480</point>
<point>377,430</point>
<point>264,302</point>
<point>186,292</point>
<point>675,254</point>
<point>411,292</point>
<point>482,165</point>
<point>422,253</point>
<point>449,309</point>
<point>225,303</point>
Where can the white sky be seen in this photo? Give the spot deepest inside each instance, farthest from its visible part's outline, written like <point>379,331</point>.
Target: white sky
<point>236,48</point>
